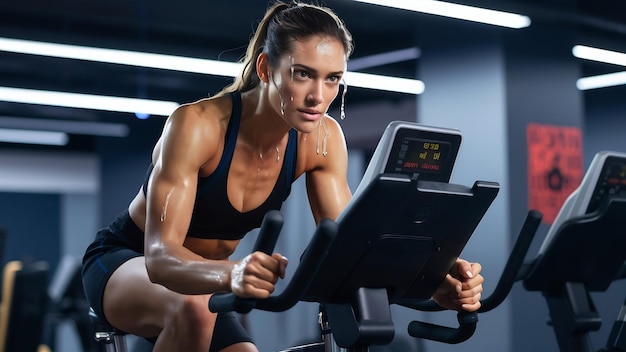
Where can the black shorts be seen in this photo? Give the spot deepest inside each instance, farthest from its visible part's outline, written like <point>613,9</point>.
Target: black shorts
<point>117,244</point>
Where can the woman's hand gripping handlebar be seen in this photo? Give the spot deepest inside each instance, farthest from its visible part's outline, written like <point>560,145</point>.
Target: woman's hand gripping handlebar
<point>467,321</point>
<point>266,241</point>
<point>303,276</point>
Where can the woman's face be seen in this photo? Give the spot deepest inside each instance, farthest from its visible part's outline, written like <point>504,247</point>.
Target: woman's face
<point>307,81</point>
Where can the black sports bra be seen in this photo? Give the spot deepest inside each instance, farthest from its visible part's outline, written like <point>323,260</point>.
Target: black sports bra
<point>213,215</point>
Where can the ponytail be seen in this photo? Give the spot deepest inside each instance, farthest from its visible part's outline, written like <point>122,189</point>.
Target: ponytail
<point>248,78</point>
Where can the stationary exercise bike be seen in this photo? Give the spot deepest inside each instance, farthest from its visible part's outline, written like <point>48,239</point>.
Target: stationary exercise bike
<point>585,251</point>
<point>393,244</point>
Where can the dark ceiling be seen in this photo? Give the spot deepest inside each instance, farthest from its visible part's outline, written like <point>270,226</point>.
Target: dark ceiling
<point>220,30</point>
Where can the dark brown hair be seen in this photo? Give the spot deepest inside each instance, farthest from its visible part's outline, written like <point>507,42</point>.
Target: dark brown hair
<point>282,24</point>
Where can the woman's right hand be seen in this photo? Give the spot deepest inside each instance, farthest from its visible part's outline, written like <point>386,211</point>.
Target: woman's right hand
<point>256,275</point>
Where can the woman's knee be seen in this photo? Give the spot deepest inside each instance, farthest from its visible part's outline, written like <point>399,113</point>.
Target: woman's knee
<point>193,313</point>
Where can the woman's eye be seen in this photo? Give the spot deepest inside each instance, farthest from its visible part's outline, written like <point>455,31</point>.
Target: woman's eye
<point>301,74</point>
<point>334,79</point>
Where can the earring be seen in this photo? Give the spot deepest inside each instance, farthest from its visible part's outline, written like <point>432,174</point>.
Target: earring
<point>291,68</point>
<point>282,105</point>
<point>343,100</point>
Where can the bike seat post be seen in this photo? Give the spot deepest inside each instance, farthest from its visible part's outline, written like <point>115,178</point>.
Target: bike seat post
<point>327,334</point>
<point>114,340</point>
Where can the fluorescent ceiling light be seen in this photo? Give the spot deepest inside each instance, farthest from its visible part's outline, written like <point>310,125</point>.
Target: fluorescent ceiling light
<point>87,101</point>
<point>33,137</point>
<point>159,61</point>
<point>601,81</point>
<point>122,57</point>
<point>446,9</point>
<point>75,127</point>
<point>395,84</point>
<point>600,55</point>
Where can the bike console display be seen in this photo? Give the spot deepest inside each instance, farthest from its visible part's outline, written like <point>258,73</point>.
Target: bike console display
<point>428,153</point>
<point>415,150</point>
<point>612,180</point>
<point>605,178</point>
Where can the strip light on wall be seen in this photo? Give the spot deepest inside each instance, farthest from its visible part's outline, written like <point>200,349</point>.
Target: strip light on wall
<point>87,101</point>
<point>91,128</point>
<point>33,137</point>
<point>600,55</point>
<point>602,81</point>
<point>401,85</point>
<point>183,64</point>
<point>463,12</point>
<point>390,57</point>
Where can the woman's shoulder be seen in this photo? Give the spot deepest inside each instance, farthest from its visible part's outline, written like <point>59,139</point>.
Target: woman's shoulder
<point>196,129</point>
<point>200,123</point>
<point>210,109</point>
<point>207,115</point>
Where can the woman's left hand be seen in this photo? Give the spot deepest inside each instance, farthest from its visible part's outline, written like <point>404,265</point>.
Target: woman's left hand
<point>462,287</point>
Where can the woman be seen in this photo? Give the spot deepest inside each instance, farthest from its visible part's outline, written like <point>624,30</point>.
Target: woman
<point>220,164</point>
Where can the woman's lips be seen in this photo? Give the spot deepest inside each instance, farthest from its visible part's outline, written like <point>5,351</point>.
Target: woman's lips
<point>310,114</point>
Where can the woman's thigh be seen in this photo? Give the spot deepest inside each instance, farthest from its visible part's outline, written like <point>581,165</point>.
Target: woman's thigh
<point>134,304</point>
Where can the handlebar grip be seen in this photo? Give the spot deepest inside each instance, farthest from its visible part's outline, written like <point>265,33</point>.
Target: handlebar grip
<point>226,302</point>
<point>269,231</point>
<point>265,242</point>
<point>467,327</point>
<point>310,262</point>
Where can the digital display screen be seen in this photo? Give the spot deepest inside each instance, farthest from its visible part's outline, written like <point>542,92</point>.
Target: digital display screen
<point>612,182</point>
<point>427,154</point>
<point>420,156</point>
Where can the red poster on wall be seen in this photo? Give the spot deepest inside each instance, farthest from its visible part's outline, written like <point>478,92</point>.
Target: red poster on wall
<point>555,167</point>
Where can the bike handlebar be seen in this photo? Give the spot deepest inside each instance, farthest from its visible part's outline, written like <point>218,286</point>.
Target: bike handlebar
<point>305,272</point>
<point>317,249</point>
<point>467,326</point>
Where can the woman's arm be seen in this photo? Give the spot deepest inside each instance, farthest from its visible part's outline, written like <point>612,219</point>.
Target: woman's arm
<point>192,138</point>
<point>169,204</point>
